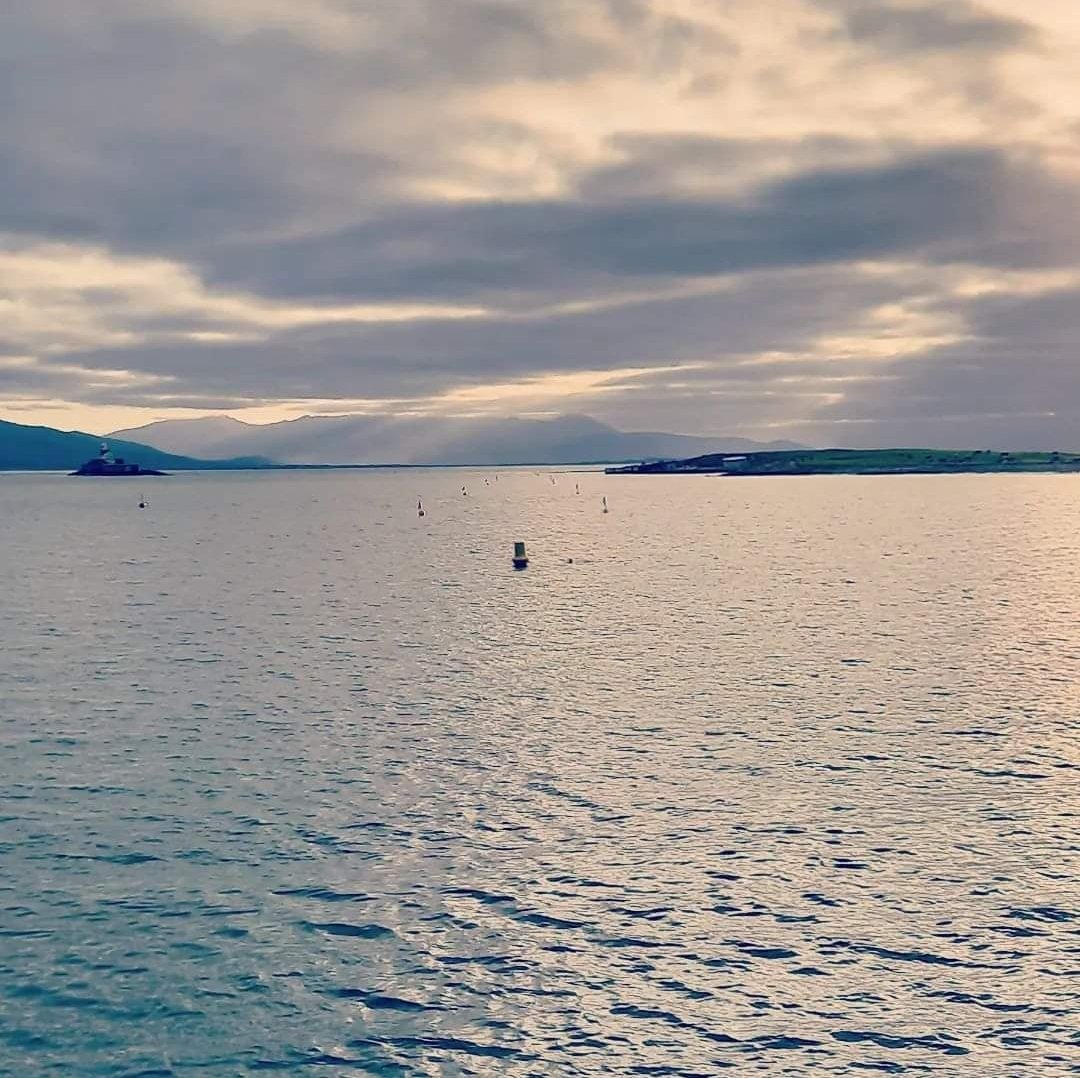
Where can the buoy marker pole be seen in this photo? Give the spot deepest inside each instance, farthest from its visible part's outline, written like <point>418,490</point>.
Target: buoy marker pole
<point>520,559</point>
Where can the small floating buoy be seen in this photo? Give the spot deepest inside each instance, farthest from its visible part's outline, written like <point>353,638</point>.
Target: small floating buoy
<point>520,560</point>
<point>604,499</point>
<point>419,508</point>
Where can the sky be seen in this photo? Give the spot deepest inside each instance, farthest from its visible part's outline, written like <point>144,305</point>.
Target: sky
<point>844,222</point>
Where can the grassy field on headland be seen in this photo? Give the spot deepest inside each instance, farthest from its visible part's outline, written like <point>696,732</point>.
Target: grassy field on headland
<point>859,462</point>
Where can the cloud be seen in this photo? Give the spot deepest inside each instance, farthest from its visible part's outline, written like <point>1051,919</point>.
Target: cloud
<point>744,350</point>
<point>945,205</point>
<point>906,28</point>
<point>1012,382</point>
<point>803,215</point>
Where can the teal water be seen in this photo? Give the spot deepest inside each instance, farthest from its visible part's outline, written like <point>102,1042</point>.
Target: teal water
<point>778,776</point>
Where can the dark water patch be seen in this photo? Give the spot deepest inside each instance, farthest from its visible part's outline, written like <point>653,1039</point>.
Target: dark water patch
<point>670,1070</point>
<point>543,993</point>
<point>195,949</point>
<point>757,950</point>
<point>936,1042</point>
<point>544,920</point>
<point>325,894</point>
<point>341,928</point>
<point>1016,931</point>
<point>377,1002</point>
<point>985,1000</point>
<point>207,910</point>
<point>735,911</point>
<point>587,883</point>
<point>129,858</point>
<point>621,942</point>
<point>632,1011</point>
<point>655,913</point>
<point>927,957</point>
<point>68,1000</point>
<point>716,1037</point>
<point>488,898</point>
<point>1009,774</point>
<point>721,962</point>
<point>781,1044</point>
<point>447,1044</point>
<point>24,1039</point>
<point>299,1060</point>
<point>683,989</point>
<point>1042,913</point>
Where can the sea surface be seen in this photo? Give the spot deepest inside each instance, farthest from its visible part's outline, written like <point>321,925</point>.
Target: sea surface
<point>763,776</point>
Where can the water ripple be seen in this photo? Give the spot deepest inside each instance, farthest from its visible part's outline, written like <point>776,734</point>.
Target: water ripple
<point>776,778</point>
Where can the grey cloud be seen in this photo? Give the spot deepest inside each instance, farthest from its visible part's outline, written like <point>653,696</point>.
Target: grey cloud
<point>270,162</point>
<point>424,42</point>
<point>135,129</point>
<point>733,396</point>
<point>654,165</point>
<point>152,136</point>
<point>1014,385</point>
<point>32,381</point>
<point>148,127</point>
<point>946,205</point>
<point>904,28</point>
<point>784,311</point>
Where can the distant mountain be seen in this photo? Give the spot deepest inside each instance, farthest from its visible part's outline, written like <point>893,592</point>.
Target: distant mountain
<point>24,448</point>
<point>383,439</point>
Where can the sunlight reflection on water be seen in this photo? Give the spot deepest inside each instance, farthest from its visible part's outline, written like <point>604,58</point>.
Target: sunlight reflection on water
<point>776,774</point>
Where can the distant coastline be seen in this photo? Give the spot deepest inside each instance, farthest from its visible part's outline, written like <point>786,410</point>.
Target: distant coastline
<point>858,462</point>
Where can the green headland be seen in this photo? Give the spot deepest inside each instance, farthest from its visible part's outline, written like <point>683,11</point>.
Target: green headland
<point>859,462</point>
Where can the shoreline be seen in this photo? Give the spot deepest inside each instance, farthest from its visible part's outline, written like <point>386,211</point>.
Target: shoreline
<point>869,462</point>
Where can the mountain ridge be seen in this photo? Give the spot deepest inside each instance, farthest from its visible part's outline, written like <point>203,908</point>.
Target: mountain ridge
<point>405,440</point>
<point>25,447</point>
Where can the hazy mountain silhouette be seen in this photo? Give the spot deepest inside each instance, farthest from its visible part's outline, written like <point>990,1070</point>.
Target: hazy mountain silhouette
<point>26,448</point>
<point>383,439</point>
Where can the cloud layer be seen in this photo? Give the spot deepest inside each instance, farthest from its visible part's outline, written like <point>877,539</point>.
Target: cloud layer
<point>847,222</point>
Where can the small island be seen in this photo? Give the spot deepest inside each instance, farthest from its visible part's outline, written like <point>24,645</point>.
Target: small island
<point>857,462</point>
<point>105,464</point>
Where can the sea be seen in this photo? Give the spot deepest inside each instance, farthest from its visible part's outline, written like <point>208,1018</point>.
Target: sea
<point>745,775</point>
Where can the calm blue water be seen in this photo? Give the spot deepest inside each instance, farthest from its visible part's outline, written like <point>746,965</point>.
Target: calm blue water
<point>778,776</point>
